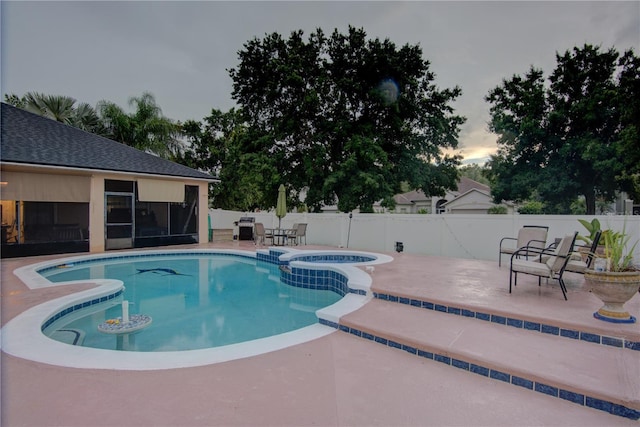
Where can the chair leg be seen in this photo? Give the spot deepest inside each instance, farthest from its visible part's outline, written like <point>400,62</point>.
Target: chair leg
<point>563,288</point>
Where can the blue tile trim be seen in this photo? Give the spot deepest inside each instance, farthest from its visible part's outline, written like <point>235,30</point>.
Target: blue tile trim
<point>546,389</point>
<point>147,255</point>
<point>499,375</point>
<point>613,342</point>
<point>59,315</point>
<point>571,396</point>
<point>522,382</point>
<point>514,322</point>
<point>495,374</point>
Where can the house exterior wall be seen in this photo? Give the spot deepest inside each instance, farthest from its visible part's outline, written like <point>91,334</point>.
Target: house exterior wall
<point>473,202</point>
<point>96,222</point>
<point>96,214</point>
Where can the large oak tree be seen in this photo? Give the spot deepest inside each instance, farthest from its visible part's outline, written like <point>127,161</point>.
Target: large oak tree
<point>344,119</point>
<point>576,135</point>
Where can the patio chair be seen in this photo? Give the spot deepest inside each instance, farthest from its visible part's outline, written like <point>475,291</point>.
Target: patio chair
<point>297,234</point>
<point>262,234</point>
<point>576,264</point>
<point>534,236</point>
<point>551,268</point>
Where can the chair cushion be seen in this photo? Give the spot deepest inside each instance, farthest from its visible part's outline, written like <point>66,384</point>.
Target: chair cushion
<point>531,267</point>
<point>576,266</point>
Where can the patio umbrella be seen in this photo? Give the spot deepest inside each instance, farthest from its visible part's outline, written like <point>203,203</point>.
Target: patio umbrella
<point>281,205</point>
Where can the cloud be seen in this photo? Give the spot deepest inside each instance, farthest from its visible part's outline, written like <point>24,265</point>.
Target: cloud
<point>181,51</point>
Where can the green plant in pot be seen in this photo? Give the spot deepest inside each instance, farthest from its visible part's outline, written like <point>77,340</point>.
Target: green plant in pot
<point>592,228</point>
<point>615,279</point>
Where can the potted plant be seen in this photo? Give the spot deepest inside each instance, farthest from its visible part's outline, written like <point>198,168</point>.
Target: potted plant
<point>592,228</point>
<point>615,279</point>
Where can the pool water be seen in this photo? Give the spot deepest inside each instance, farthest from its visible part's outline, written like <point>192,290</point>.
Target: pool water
<point>196,302</point>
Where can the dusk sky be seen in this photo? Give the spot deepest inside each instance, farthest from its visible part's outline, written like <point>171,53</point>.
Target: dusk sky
<point>181,51</point>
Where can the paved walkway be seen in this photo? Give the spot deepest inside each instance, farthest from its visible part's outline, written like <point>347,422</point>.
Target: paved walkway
<point>340,379</point>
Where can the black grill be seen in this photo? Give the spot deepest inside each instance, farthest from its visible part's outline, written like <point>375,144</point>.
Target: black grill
<point>245,228</point>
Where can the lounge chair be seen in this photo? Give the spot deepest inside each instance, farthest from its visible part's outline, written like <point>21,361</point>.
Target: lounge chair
<point>534,236</point>
<point>262,234</point>
<point>552,268</point>
<point>577,265</point>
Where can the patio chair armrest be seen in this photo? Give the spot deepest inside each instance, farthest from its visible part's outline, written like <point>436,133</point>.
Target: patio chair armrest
<point>506,238</point>
<point>537,241</point>
<point>531,250</point>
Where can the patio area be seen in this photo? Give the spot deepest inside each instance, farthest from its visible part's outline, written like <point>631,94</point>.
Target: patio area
<point>375,369</point>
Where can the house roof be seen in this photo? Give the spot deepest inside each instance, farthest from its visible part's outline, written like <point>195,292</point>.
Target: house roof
<point>462,196</point>
<point>31,139</point>
<point>464,186</point>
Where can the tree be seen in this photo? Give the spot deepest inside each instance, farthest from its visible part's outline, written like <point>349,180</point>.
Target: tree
<point>145,129</point>
<point>344,119</point>
<point>214,147</point>
<point>567,138</point>
<point>475,172</point>
<point>60,108</point>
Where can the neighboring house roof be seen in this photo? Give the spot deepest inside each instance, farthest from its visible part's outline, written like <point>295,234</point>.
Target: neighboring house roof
<point>411,197</point>
<point>485,196</point>
<point>464,186</point>
<point>31,139</point>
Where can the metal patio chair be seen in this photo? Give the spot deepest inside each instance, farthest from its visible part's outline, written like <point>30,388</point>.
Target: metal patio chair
<point>262,234</point>
<point>552,267</point>
<point>577,265</point>
<point>297,233</point>
<point>534,236</point>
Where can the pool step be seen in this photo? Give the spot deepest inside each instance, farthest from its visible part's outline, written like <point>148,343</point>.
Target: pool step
<point>599,376</point>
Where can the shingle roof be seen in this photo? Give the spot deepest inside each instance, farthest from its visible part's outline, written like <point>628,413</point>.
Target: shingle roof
<point>464,185</point>
<point>31,139</point>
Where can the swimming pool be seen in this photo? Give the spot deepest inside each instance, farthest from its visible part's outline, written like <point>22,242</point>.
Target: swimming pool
<point>23,336</point>
<point>194,301</point>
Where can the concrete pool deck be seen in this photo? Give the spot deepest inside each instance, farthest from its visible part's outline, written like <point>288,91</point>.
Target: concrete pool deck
<point>343,379</point>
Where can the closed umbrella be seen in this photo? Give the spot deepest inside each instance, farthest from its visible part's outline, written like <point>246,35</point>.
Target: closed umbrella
<point>281,205</point>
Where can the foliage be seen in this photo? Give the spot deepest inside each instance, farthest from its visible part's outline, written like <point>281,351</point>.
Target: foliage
<point>531,207</point>
<point>475,172</point>
<point>497,210</point>
<point>578,206</point>
<point>578,135</point>
<point>60,108</point>
<point>344,119</point>
<point>592,228</point>
<point>615,250</point>
<point>216,147</point>
<point>145,129</point>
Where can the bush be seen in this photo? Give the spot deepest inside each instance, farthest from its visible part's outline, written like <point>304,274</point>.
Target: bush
<point>497,210</point>
<point>531,208</point>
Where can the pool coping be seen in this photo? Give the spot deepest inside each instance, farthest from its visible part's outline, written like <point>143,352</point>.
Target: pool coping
<point>23,337</point>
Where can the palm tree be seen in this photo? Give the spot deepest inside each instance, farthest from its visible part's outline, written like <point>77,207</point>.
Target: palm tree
<point>86,118</point>
<point>56,107</point>
<point>146,129</point>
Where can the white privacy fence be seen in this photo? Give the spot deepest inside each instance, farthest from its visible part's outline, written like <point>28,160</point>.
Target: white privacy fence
<point>470,236</point>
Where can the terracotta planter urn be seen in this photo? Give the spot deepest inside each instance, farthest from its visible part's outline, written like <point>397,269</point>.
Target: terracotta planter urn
<point>614,289</point>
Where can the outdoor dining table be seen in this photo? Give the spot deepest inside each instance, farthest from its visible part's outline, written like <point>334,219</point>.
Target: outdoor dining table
<point>280,236</point>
